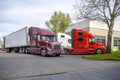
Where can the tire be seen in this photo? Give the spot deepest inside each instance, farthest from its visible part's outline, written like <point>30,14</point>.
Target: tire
<point>57,54</point>
<point>16,50</point>
<point>7,50</point>
<point>42,52</point>
<point>26,51</point>
<point>67,53</point>
<point>21,50</point>
<point>99,51</point>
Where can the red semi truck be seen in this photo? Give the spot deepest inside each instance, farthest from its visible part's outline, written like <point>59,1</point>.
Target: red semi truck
<point>83,42</point>
<point>33,40</point>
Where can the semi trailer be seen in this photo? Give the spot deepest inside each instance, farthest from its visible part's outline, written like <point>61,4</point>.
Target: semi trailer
<point>33,40</point>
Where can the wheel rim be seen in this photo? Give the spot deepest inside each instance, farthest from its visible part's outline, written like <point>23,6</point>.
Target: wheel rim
<point>99,51</point>
<point>20,51</point>
<point>43,52</point>
<point>26,51</point>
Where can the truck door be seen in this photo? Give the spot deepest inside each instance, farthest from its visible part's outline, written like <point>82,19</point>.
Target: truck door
<point>33,41</point>
<point>79,42</point>
<point>92,45</point>
<point>39,40</point>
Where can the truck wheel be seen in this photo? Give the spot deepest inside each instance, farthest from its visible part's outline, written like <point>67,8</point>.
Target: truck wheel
<point>42,52</point>
<point>66,51</point>
<point>16,50</point>
<point>99,51</point>
<point>21,50</point>
<point>8,50</point>
<point>57,54</point>
<point>26,51</point>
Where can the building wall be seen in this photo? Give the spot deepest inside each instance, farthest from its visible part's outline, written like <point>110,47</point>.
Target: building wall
<point>116,36</point>
<point>101,34</point>
<point>100,30</point>
<point>79,25</point>
<point>0,44</point>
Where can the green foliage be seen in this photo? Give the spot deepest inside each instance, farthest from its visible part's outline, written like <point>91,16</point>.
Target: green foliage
<point>116,53</point>
<point>114,56</point>
<point>59,22</point>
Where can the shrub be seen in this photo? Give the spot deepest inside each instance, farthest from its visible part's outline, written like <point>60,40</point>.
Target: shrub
<point>116,53</point>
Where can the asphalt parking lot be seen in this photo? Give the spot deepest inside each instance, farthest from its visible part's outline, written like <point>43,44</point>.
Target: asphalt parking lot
<point>15,66</point>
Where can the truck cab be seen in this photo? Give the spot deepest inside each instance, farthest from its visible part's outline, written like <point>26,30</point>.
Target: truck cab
<point>83,42</point>
<point>64,39</point>
<point>43,41</point>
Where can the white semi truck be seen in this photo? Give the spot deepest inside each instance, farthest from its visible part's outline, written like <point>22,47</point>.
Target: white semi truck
<point>64,39</point>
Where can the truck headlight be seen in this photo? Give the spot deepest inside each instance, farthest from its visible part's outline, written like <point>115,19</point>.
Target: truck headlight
<point>48,49</point>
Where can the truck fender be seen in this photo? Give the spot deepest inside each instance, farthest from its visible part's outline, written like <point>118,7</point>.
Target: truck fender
<point>43,52</point>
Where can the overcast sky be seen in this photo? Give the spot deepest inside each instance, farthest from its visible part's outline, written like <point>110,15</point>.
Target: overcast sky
<point>16,14</point>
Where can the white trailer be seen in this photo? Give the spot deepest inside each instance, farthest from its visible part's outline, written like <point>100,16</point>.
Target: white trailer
<point>16,39</point>
<point>64,39</point>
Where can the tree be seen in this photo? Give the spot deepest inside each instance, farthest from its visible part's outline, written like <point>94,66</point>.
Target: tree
<point>59,22</point>
<point>104,10</point>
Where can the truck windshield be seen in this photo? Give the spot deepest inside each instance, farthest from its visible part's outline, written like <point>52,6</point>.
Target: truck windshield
<point>92,40</point>
<point>49,38</point>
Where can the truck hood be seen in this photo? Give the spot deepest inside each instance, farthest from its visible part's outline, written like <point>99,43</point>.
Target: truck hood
<point>100,44</point>
<point>53,43</point>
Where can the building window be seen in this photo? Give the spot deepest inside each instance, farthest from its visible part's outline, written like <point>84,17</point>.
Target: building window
<point>116,41</point>
<point>103,41</point>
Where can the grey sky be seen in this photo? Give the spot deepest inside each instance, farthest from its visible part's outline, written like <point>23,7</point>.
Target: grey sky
<point>16,14</point>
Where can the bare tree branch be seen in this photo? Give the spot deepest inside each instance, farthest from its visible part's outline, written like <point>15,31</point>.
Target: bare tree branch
<point>108,3</point>
<point>104,10</point>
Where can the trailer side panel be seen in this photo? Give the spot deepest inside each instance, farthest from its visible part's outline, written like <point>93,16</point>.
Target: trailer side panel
<point>17,39</point>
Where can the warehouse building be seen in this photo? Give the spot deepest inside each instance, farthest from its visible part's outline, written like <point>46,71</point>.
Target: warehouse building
<point>100,30</point>
<point>1,44</point>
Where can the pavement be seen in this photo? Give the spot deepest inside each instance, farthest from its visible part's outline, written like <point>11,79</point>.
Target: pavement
<point>16,66</point>
<point>104,74</point>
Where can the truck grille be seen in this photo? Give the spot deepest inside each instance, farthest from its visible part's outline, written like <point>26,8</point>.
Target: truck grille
<point>56,47</point>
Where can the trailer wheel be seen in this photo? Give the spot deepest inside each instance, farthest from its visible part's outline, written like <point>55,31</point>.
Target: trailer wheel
<point>8,50</point>
<point>42,52</point>
<point>21,50</point>
<point>99,51</point>
<point>16,50</point>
